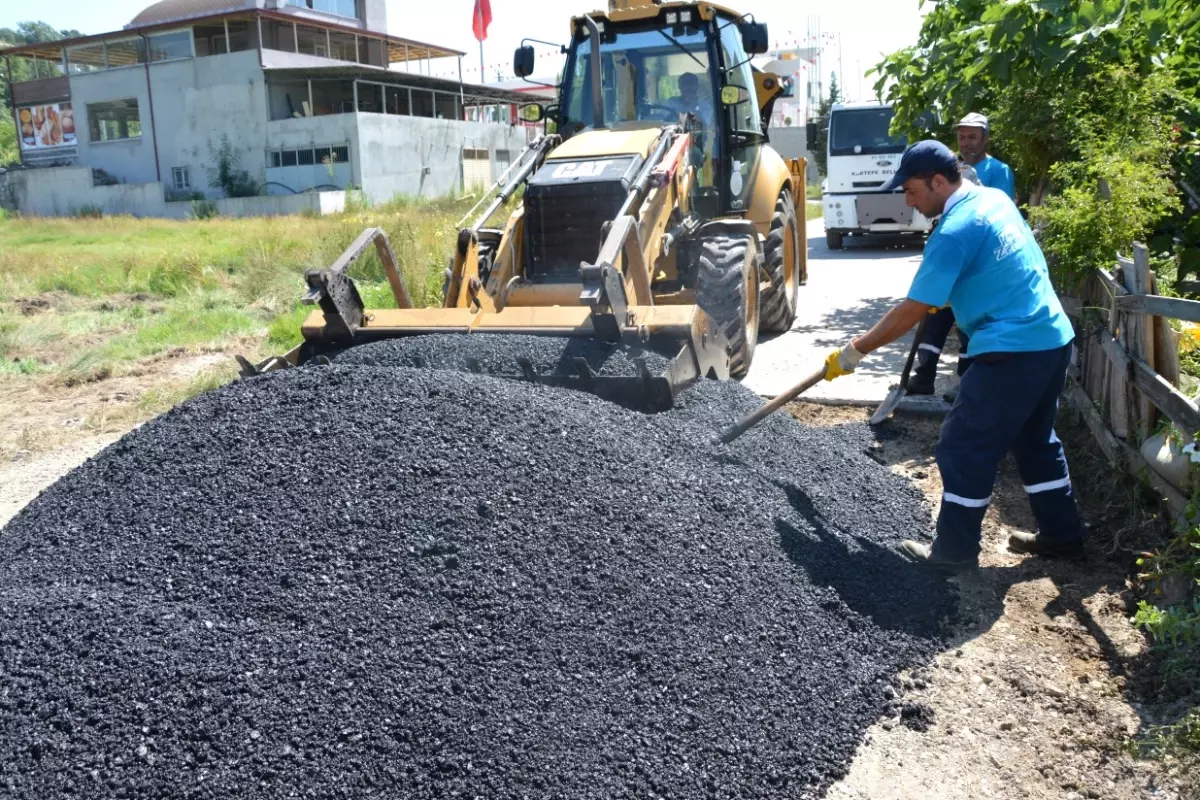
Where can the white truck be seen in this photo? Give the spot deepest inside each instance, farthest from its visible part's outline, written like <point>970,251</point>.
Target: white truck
<point>862,154</point>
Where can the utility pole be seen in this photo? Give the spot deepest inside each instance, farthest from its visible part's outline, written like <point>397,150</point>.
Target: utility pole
<point>841,67</point>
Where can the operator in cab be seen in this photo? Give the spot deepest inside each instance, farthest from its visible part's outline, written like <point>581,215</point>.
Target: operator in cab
<point>689,102</point>
<point>973,132</point>
<point>983,262</point>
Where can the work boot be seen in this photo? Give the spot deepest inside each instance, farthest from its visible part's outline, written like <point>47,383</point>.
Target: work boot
<point>1036,545</point>
<point>919,384</point>
<point>923,554</point>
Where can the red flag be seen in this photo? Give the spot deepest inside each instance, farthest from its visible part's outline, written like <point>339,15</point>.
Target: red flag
<point>482,19</point>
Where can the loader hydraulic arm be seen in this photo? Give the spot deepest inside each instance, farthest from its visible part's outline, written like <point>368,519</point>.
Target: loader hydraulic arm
<point>604,283</point>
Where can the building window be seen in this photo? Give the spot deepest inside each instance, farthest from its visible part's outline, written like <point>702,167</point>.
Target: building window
<point>240,36</point>
<point>312,41</point>
<point>125,53</point>
<point>86,58</point>
<point>171,46</point>
<point>210,40</point>
<point>341,8</point>
<point>279,36</point>
<point>114,120</point>
<point>180,179</point>
<point>310,156</point>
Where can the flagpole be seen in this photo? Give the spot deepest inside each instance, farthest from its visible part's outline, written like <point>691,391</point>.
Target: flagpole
<point>482,70</point>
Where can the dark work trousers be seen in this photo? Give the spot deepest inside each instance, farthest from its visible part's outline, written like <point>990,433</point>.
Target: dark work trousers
<point>1006,402</point>
<point>937,330</point>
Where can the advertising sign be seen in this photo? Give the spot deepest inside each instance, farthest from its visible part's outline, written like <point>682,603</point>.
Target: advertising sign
<point>50,125</point>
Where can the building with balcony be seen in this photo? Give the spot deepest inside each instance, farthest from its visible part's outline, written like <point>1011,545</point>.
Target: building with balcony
<point>304,95</point>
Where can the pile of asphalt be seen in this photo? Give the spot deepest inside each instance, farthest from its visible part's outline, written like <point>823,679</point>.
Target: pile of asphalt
<point>498,354</point>
<point>352,582</point>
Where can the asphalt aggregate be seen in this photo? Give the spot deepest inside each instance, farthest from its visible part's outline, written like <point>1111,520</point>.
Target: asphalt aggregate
<point>498,354</point>
<point>380,581</point>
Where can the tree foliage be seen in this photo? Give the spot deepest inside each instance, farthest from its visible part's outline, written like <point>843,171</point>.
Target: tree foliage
<point>819,148</point>
<point>1029,60</point>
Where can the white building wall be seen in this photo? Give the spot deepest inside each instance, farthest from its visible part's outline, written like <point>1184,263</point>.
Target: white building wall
<point>196,102</point>
<point>416,156</point>
<point>127,160</point>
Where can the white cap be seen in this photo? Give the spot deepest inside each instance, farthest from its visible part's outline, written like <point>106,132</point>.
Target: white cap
<point>974,121</point>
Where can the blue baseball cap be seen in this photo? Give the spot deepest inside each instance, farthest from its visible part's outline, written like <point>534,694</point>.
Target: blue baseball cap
<point>926,156</point>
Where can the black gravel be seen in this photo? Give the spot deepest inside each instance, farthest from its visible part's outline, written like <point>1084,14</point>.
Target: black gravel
<point>497,354</point>
<point>348,582</point>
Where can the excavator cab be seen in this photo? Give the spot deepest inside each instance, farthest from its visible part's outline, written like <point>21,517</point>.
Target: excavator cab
<point>687,65</point>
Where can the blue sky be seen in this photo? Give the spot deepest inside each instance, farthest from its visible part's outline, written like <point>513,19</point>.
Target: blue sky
<point>867,27</point>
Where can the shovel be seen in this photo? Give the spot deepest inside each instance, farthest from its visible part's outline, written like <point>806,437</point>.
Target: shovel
<point>892,402</point>
<point>752,419</point>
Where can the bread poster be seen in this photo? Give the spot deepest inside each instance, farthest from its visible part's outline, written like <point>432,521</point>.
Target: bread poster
<point>41,127</point>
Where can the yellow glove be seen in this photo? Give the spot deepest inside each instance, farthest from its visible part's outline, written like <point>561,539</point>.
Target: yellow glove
<point>842,362</point>
<point>935,310</point>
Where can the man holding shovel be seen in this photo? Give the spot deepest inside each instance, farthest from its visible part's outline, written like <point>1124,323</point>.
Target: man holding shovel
<point>983,261</point>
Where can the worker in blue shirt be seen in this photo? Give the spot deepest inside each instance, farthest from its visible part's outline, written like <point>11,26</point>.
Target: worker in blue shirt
<point>973,132</point>
<point>983,261</point>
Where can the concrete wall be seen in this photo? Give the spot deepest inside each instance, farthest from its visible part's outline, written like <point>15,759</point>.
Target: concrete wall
<point>62,191</point>
<point>128,160</point>
<point>198,100</point>
<point>327,131</point>
<point>416,156</point>
<point>320,203</point>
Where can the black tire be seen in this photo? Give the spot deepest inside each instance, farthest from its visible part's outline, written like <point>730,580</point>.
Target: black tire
<point>777,307</point>
<point>833,240</point>
<point>726,287</point>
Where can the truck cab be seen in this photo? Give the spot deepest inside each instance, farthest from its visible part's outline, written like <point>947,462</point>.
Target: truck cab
<point>862,155</point>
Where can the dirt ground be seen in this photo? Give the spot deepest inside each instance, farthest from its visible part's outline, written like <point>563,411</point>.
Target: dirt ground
<point>1036,695</point>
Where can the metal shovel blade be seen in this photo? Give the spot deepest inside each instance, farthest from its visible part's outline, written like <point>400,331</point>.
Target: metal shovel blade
<point>890,404</point>
<point>892,401</point>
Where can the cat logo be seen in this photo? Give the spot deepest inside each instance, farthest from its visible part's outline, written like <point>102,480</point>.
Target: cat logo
<point>582,169</point>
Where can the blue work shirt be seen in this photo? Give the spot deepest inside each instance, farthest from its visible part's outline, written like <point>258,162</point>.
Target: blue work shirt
<point>995,174</point>
<point>983,261</point>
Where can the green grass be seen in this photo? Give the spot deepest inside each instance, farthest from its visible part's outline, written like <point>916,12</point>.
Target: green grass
<point>814,211</point>
<point>84,298</point>
<point>814,191</point>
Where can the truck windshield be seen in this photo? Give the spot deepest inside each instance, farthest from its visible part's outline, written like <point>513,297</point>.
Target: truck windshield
<point>647,75</point>
<point>863,131</point>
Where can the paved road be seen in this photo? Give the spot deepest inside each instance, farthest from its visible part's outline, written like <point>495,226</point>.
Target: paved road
<point>847,292</point>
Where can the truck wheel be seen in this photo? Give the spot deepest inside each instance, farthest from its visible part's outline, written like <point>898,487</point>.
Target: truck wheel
<point>833,240</point>
<point>727,288</point>
<point>782,257</point>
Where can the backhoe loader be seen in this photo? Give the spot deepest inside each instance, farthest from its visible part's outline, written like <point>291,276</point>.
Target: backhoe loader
<point>654,213</point>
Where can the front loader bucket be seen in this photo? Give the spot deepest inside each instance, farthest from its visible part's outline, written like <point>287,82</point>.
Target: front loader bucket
<point>681,337</point>
<point>693,346</point>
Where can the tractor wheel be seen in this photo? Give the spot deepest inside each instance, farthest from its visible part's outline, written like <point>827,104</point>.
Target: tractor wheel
<point>782,257</point>
<point>727,288</point>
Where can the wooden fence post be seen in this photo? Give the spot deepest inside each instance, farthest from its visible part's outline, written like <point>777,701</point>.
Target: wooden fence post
<point>1139,342</point>
<point>1116,381</point>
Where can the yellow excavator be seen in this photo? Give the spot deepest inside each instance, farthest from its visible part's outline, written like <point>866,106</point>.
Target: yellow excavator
<point>654,212</point>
